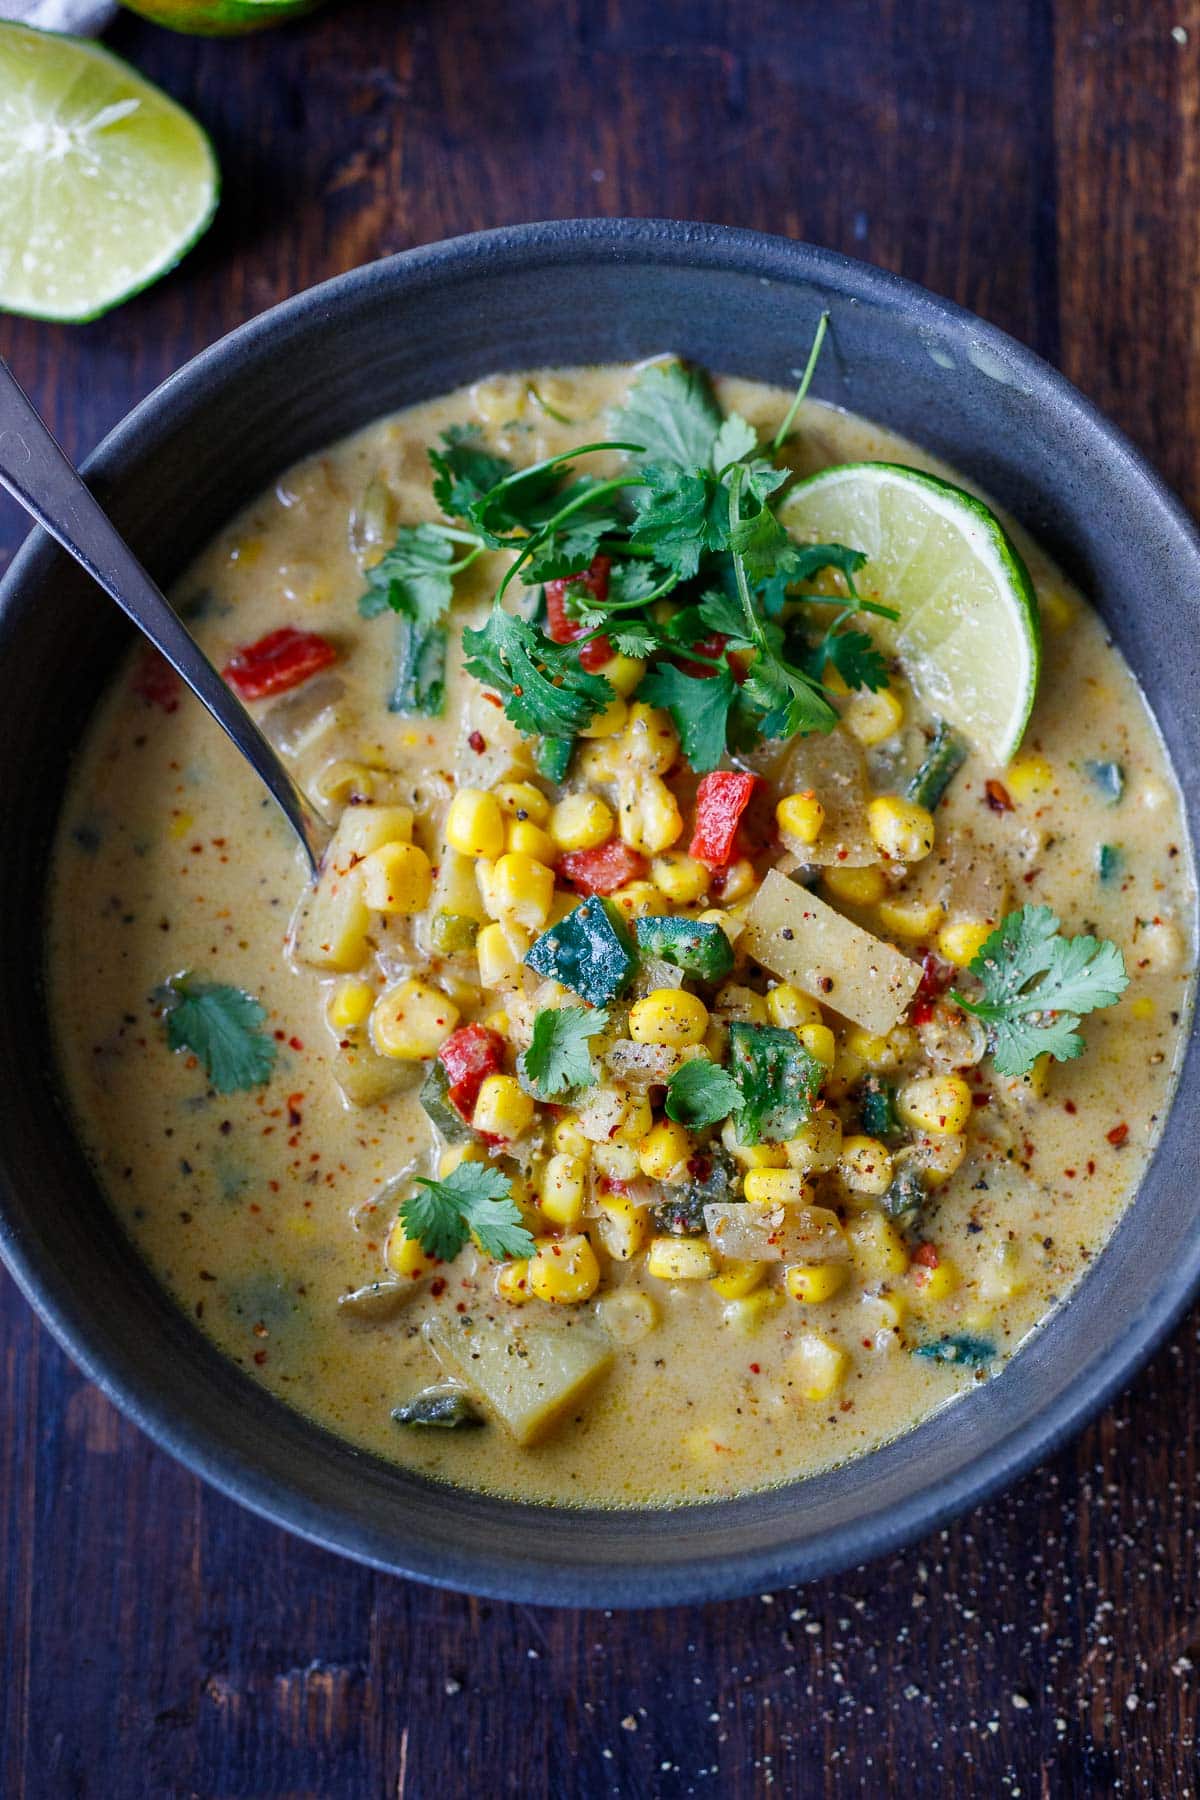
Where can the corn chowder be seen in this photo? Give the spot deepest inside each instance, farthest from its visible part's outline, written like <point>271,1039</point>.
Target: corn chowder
<point>719,1033</point>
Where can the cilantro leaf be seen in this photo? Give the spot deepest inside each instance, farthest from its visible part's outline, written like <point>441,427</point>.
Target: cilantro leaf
<point>558,1057</point>
<point>1037,985</point>
<point>680,516</point>
<point>856,659</point>
<point>545,691</point>
<point>672,412</point>
<point>464,470</point>
<point>700,1094</point>
<point>810,560</point>
<point>699,706</point>
<point>634,639</point>
<point>721,612</point>
<point>413,578</point>
<point>628,583</point>
<point>734,442</point>
<point>220,1025</point>
<point>474,1201</point>
<point>777,1080</point>
<point>563,553</point>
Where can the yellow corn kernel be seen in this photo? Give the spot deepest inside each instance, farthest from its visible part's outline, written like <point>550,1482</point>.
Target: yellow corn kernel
<point>1057,610</point>
<point>623,1225</point>
<point>455,1155</point>
<point>637,900</point>
<point>523,890</point>
<point>564,1270</point>
<point>1000,1276</point>
<point>617,1161</point>
<point>752,1156</point>
<point>939,1157</point>
<point>581,822</point>
<point>741,1003</point>
<point>681,1259</point>
<point>562,1190</point>
<point>740,881</point>
<point>876,1247</point>
<point>568,1140</point>
<point>776,1187</point>
<point>873,717</point>
<point>908,916</point>
<point>668,1016</point>
<point>932,1286</point>
<point>521,800</point>
<point>412,1020</point>
<point>628,1316</point>
<point>651,742</point>
<point>817,1366</point>
<point>500,951</point>
<point>734,1279</point>
<point>680,877</point>
<point>814,1283</point>
<point>789,1007</point>
<point>526,839</point>
<point>1029,778</point>
<point>350,1004</point>
<point>498,1021</point>
<point>887,1310</point>
<point>601,760</point>
<point>664,1153</point>
<point>746,1315</point>
<point>342,783</point>
<point>608,723</point>
<point>817,1145</point>
<point>962,939</point>
<point>638,1120</point>
<point>799,818</point>
<point>873,1051</point>
<point>1142,1007</point>
<point>936,1103</point>
<point>866,1165</point>
<point>500,399</point>
<point>820,1042</point>
<point>857,887</point>
<point>648,813</point>
<point>622,673</point>
<point>475,823</point>
<point>503,1109</point>
<point>512,1282</point>
<point>900,829</point>
<point>397,879</point>
<point>404,1255</point>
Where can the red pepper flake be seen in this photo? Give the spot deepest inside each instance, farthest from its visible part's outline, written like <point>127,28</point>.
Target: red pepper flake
<point>1117,1135</point>
<point>563,629</point>
<point>981,1099</point>
<point>478,742</point>
<point>1070,1174</point>
<point>296,1043</point>
<point>278,662</point>
<point>260,1357</point>
<point>155,681</point>
<point>755,1368</point>
<point>926,1256</point>
<point>437,1286</point>
<point>997,796</point>
<point>1069,1106</point>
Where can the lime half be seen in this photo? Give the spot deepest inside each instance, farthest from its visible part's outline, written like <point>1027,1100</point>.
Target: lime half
<point>104,181</point>
<point>219,18</point>
<point>968,633</point>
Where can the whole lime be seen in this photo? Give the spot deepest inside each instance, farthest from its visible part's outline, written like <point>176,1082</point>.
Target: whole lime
<point>219,18</point>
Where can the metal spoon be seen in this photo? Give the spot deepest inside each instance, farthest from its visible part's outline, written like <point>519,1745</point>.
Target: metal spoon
<point>36,473</point>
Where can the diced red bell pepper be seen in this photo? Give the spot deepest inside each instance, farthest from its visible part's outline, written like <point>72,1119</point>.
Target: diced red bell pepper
<point>721,799</point>
<point>155,681</point>
<point>562,628</point>
<point>277,662</point>
<point>603,870</point>
<point>469,1055</point>
<point>712,646</point>
<point>936,977</point>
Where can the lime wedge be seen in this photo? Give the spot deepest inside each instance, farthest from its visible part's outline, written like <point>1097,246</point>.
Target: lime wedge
<point>104,181</point>
<point>219,18</point>
<point>968,633</point>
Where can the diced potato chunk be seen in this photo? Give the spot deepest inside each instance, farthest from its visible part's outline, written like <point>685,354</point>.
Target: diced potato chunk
<point>750,1232</point>
<point>334,919</point>
<point>799,938</point>
<point>365,1077</point>
<point>529,1373</point>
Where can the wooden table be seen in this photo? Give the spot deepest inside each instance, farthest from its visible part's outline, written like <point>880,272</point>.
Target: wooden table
<point>1037,160</point>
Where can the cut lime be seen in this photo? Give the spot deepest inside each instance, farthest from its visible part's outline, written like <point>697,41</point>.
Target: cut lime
<point>219,18</point>
<point>104,181</point>
<point>968,633</point>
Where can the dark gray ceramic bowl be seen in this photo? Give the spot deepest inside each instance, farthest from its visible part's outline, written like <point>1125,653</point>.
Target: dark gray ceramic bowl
<point>324,364</point>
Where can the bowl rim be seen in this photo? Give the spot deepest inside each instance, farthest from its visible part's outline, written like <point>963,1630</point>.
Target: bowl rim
<point>713,1574</point>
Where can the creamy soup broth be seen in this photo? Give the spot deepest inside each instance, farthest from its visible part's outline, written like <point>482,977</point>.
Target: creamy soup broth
<point>255,1209</point>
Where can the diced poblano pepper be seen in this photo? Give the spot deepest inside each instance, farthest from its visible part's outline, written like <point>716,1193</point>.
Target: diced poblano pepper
<point>552,757</point>
<point>439,1107</point>
<point>905,1197</point>
<point>1109,777</point>
<point>876,1110</point>
<point>590,951</point>
<point>447,1408</point>
<point>778,1079</point>
<point>964,1351</point>
<point>419,673</point>
<point>453,933</point>
<point>944,758</point>
<point>697,946</point>
<point>1109,862</point>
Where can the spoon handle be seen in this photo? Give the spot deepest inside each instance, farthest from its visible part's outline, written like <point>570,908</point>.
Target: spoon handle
<point>37,474</point>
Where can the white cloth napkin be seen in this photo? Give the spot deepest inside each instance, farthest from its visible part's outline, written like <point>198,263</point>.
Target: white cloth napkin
<point>86,18</point>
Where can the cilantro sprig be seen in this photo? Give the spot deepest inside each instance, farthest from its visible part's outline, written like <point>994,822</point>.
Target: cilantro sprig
<point>559,1057</point>
<point>690,518</point>
<point>220,1025</point>
<point>475,1201</point>
<point>1037,985</point>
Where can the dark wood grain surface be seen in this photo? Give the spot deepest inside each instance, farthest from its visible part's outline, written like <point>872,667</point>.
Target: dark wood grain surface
<point>1037,160</point>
